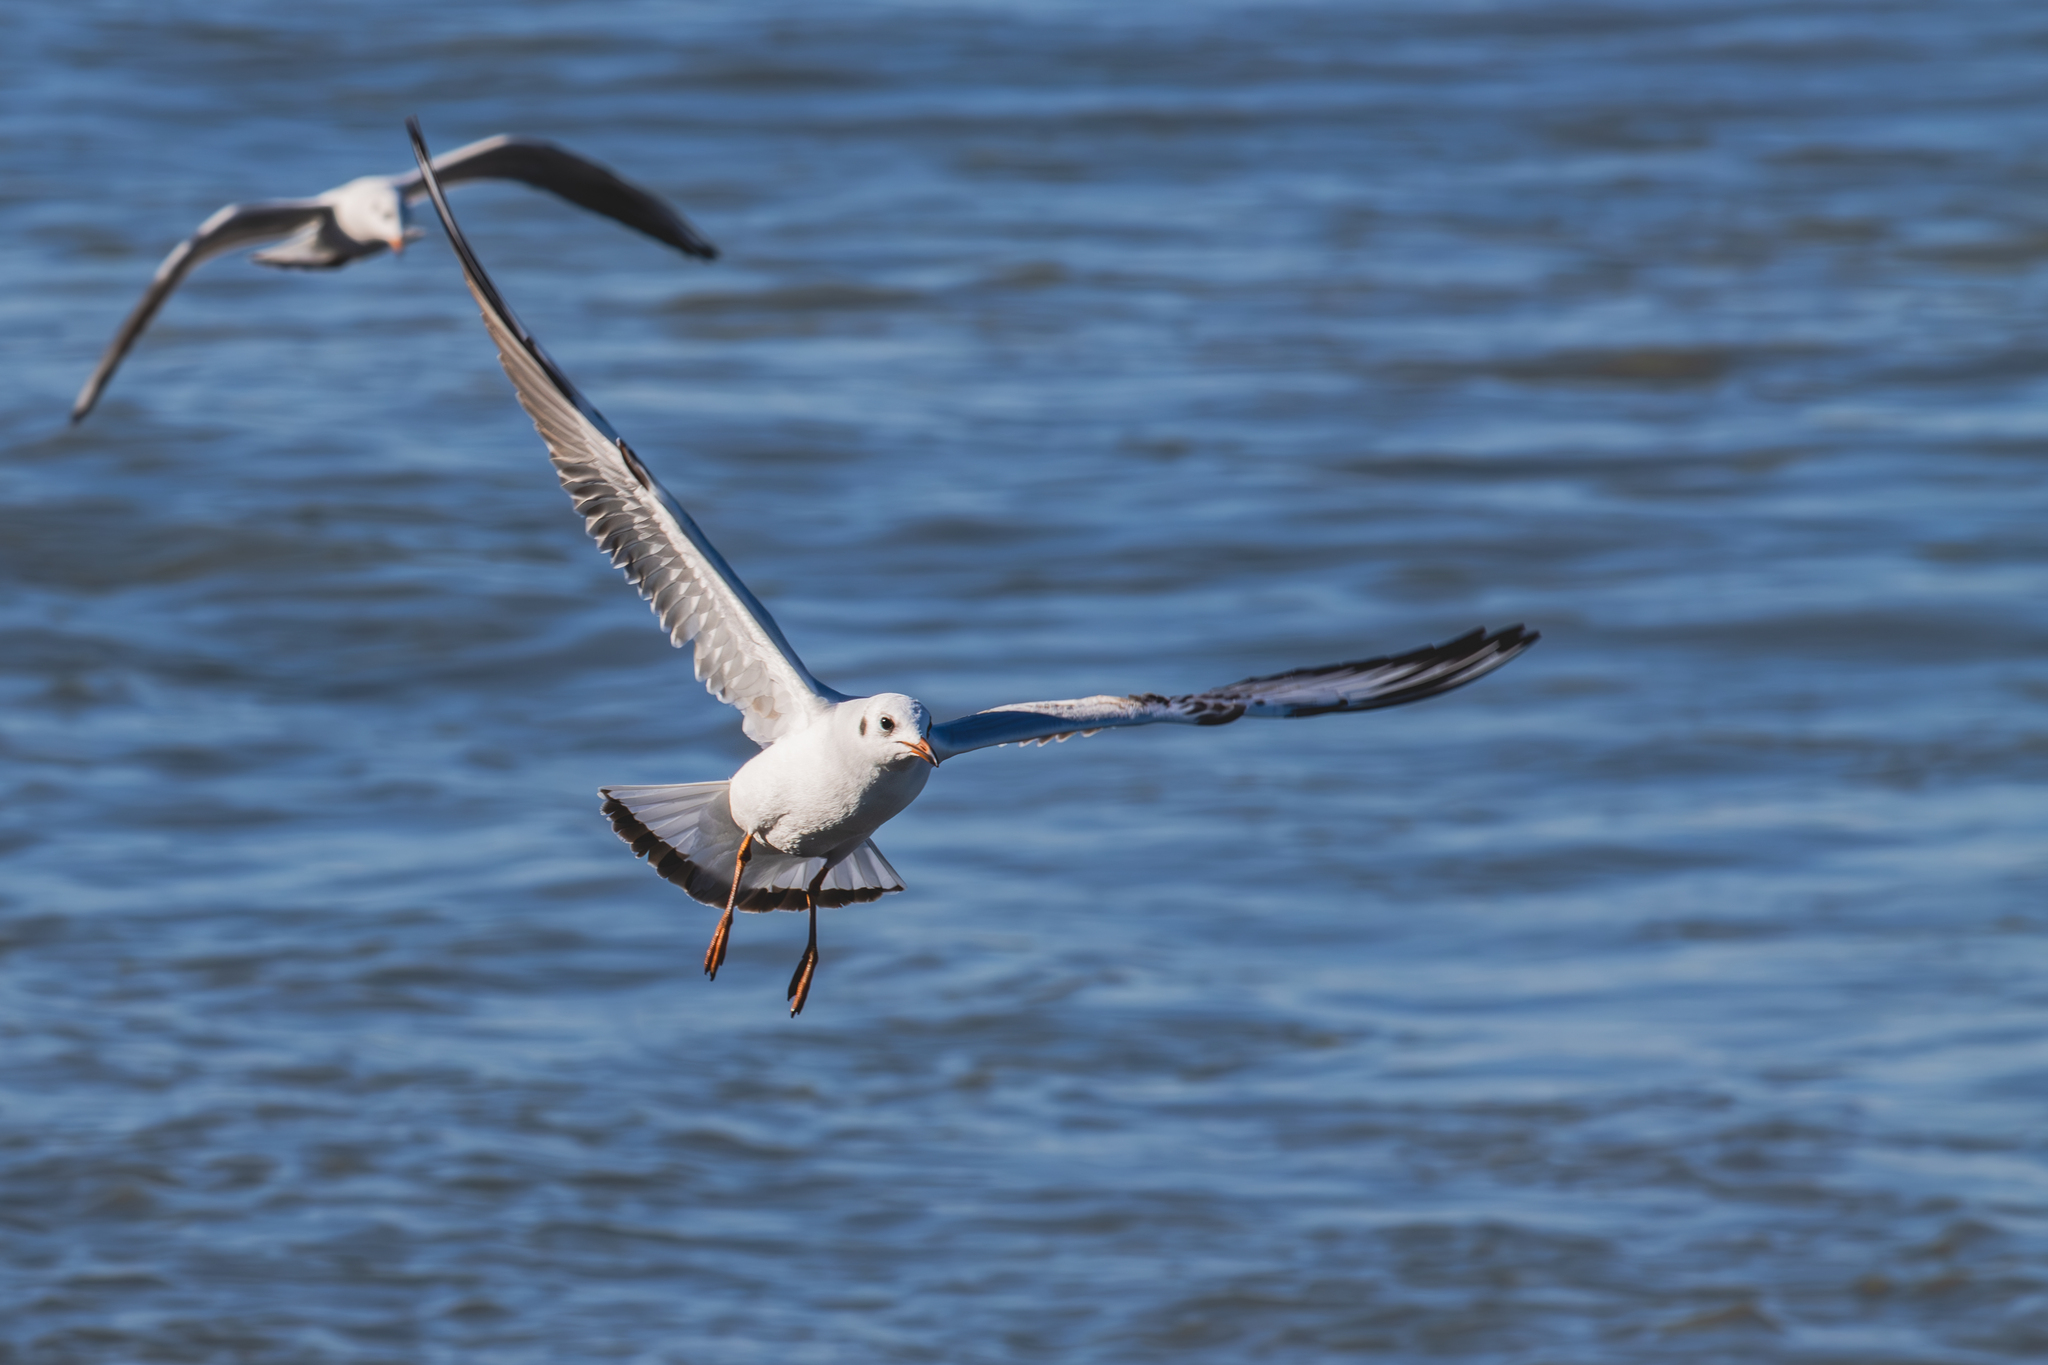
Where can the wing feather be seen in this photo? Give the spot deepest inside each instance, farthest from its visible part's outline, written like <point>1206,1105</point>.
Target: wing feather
<point>1363,685</point>
<point>230,228</point>
<point>741,655</point>
<point>552,167</point>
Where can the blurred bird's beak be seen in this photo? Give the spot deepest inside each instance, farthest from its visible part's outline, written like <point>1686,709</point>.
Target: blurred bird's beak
<point>397,244</point>
<point>922,749</point>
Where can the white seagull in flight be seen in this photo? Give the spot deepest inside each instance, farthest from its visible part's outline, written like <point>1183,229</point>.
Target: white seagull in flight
<point>791,830</point>
<point>369,214</point>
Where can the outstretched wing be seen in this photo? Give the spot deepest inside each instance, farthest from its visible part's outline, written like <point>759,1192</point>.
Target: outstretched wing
<point>1365,685</point>
<point>236,226</point>
<point>583,182</point>
<point>741,655</point>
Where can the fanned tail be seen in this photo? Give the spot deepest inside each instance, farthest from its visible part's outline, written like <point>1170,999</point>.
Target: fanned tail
<point>687,834</point>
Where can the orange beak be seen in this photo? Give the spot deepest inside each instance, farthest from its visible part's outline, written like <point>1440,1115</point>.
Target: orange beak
<point>397,244</point>
<point>922,749</point>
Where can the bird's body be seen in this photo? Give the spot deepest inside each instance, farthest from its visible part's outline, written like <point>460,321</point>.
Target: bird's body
<point>793,827</point>
<point>370,215</point>
<point>824,789</point>
<point>365,217</point>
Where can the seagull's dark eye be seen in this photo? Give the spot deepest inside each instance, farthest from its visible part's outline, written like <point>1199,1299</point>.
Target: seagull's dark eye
<point>888,724</point>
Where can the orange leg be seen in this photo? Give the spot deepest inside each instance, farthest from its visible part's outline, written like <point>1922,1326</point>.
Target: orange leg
<point>714,956</point>
<point>807,966</point>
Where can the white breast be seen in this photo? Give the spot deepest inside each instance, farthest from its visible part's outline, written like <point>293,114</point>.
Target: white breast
<point>811,794</point>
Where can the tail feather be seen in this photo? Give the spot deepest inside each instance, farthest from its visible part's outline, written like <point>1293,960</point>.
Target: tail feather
<point>686,833</point>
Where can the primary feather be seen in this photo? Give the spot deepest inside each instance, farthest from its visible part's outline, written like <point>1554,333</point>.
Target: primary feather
<point>740,653</point>
<point>1364,685</point>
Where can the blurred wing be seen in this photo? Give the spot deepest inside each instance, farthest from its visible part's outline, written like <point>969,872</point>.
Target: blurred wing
<point>236,226</point>
<point>1365,685</point>
<point>559,171</point>
<point>741,655</point>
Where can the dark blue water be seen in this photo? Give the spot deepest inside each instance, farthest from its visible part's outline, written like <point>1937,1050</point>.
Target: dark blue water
<point>1679,993</point>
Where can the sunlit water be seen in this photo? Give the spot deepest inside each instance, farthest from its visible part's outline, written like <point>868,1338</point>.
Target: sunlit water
<point>1679,993</point>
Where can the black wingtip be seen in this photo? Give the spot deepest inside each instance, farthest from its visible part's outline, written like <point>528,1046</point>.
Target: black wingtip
<point>1504,643</point>
<point>486,292</point>
<point>88,399</point>
<point>1516,637</point>
<point>425,159</point>
<point>471,266</point>
<point>1427,672</point>
<point>419,146</point>
<point>684,236</point>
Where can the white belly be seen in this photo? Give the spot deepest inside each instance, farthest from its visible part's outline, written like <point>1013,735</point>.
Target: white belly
<point>805,798</point>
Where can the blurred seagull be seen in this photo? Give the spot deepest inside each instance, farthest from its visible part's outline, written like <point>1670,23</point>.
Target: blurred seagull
<point>369,214</point>
<point>791,830</point>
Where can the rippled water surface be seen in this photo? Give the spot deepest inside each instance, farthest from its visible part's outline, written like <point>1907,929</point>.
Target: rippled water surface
<point>1679,993</point>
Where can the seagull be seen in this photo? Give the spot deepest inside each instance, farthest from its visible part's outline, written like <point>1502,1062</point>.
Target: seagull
<point>369,214</point>
<point>793,828</point>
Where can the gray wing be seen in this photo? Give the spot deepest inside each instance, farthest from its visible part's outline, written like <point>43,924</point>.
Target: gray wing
<point>1365,685</point>
<point>741,655</point>
<point>554,168</point>
<point>234,227</point>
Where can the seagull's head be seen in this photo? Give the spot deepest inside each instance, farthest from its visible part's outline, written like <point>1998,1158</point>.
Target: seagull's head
<point>896,729</point>
<point>373,210</point>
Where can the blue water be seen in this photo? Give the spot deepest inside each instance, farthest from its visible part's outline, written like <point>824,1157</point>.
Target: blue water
<point>1679,993</point>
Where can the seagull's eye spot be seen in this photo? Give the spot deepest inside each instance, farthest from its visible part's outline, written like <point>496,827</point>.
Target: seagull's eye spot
<point>863,725</point>
<point>888,724</point>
